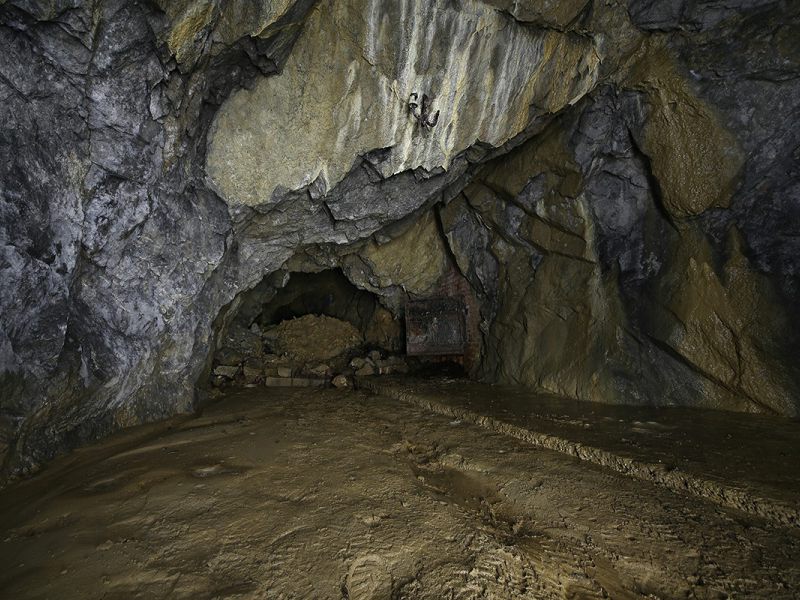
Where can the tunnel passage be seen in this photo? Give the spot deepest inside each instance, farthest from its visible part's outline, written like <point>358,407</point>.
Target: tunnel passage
<point>304,329</point>
<point>311,329</point>
<point>330,293</point>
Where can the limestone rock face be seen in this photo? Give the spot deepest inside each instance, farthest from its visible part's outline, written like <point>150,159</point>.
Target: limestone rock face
<point>694,157</point>
<point>345,91</point>
<point>618,182</point>
<point>193,24</point>
<point>549,13</point>
<point>725,320</point>
<point>414,261</point>
<point>110,254</point>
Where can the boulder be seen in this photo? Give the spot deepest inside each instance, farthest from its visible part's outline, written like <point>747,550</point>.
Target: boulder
<point>342,382</point>
<point>226,371</point>
<point>365,371</point>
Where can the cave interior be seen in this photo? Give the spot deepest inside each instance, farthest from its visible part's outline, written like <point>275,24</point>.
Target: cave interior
<point>389,299</point>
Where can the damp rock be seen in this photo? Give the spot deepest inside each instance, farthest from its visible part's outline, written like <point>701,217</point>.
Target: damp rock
<point>228,356</point>
<point>366,370</point>
<point>242,340</point>
<point>391,365</point>
<point>321,370</point>
<point>252,375</point>
<point>341,382</point>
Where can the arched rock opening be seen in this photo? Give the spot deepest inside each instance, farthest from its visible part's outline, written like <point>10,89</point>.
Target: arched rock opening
<point>310,328</point>
<point>303,328</point>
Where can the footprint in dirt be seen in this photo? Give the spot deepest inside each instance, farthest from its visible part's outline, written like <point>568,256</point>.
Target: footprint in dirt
<point>368,579</point>
<point>500,574</point>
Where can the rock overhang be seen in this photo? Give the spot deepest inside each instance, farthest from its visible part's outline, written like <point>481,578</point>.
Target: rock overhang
<point>345,91</point>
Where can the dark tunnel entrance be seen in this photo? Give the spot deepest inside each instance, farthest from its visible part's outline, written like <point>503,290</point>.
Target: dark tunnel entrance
<point>316,329</point>
<point>329,293</point>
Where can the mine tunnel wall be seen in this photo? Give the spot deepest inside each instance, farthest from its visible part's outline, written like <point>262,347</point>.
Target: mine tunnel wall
<point>623,207</point>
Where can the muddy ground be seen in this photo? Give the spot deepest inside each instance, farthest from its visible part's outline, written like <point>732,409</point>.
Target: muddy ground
<point>329,494</point>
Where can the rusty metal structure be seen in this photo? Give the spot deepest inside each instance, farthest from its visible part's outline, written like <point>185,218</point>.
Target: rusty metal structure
<point>436,327</point>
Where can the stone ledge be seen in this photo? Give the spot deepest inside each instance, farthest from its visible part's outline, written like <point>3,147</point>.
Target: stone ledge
<point>739,495</point>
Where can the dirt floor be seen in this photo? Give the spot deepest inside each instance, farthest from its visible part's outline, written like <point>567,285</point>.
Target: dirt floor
<point>749,462</point>
<point>328,494</point>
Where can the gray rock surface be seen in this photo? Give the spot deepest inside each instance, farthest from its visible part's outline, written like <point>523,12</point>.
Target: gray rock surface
<point>121,266</point>
<point>111,252</point>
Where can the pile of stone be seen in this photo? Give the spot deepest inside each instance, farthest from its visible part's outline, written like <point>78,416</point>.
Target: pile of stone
<point>374,364</point>
<point>371,364</point>
<point>304,352</point>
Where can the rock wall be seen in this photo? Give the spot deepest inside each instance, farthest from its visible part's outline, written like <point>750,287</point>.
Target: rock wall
<point>618,181</point>
<point>114,260</point>
<point>619,251</point>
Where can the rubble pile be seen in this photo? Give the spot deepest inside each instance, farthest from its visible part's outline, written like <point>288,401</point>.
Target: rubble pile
<point>308,351</point>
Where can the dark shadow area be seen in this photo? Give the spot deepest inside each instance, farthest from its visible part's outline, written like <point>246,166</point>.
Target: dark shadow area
<point>436,367</point>
<point>327,293</point>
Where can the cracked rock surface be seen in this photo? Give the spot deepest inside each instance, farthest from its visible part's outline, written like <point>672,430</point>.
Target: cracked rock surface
<point>617,181</point>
